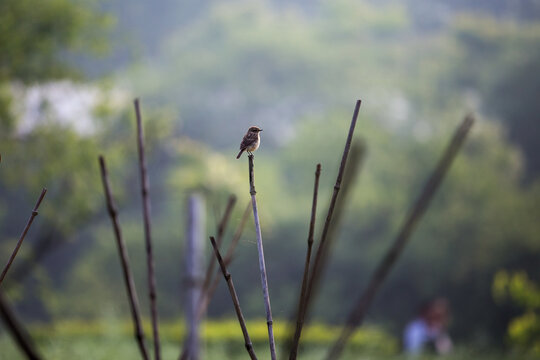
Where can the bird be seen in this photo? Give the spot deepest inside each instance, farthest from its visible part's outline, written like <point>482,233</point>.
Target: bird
<point>251,141</point>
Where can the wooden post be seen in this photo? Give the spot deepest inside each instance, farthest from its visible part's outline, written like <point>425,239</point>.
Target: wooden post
<point>194,260</point>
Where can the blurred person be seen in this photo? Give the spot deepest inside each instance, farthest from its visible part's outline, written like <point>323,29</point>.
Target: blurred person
<point>427,332</point>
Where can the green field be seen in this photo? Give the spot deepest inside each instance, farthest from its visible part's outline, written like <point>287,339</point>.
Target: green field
<point>221,340</point>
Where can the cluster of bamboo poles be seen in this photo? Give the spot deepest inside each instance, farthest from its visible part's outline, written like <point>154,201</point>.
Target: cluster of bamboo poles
<point>312,270</point>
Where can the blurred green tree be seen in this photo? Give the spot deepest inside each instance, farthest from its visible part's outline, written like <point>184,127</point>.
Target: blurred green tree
<point>38,42</point>
<point>509,83</point>
<point>524,330</point>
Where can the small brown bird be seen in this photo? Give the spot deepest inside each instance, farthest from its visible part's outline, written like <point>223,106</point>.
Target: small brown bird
<point>251,141</point>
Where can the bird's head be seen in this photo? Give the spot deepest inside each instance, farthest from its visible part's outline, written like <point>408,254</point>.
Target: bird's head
<point>254,129</point>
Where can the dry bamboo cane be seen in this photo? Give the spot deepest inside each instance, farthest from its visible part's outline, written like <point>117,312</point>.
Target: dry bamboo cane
<point>356,157</point>
<point>147,232</point>
<point>17,330</point>
<point>23,235</point>
<point>316,268</point>
<point>237,308</point>
<point>124,260</point>
<point>262,265</point>
<point>356,317</point>
<point>301,308</point>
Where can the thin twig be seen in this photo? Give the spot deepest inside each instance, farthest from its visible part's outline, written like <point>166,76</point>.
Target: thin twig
<point>147,232</point>
<point>21,238</point>
<point>262,265</point>
<point>301,302</point>
<point>124,260</point>
<point>316,268</point>
<point>205,300</point>
<point>415,213</point>
<point>43,245</point>
<point>237,308</point>
<point>17,330</point>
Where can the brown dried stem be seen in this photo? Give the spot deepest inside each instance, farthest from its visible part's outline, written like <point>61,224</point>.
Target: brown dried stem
<point>19,333</point>
<point>203,305</point>
<point>23,235</point>
<point>262,265</point>
<point>147,232</point>
<point>415,213</point>
<point>301,303</point>
<point>357,154</point>
<point>351,172</point>
<point>316,268</point>
<point>124,260</point>
<point>237,308</point>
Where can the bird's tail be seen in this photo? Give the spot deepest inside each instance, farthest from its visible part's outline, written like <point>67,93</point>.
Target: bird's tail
<point>240,153</point>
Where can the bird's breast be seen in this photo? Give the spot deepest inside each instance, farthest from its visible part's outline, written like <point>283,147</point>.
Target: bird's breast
<point>254,146</point>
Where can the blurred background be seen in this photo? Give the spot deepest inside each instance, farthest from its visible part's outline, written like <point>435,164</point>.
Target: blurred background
<point>207,70</point>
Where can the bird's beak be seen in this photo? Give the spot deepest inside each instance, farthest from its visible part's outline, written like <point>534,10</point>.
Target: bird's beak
<point>260,130</point>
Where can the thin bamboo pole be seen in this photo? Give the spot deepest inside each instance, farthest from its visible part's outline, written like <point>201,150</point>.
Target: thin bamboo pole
<point>147,232</point>
<point>301,303</point>
<point>237,308</point>
<point>319,256</point>
<point>17,330</point>
<point>356,317</point>
<point>124,261</point>
<point>262,265</point>
<point>23,235</point>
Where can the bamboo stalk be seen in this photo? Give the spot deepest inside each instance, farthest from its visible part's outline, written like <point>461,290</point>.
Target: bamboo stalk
<point>124,261</point>
<point>17,330</point>
<point>203,305</point>
<point>357,155</point>
<point>23,235</point>
<point>316,268</point>
<point>234,297</point>
<point>147,232</point>
<point>262,265</point>
<point>415,213</point>
<point>301,303</point>
<point>351,172</point>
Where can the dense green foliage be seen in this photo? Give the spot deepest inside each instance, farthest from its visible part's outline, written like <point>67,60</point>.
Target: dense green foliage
<point>524,330</point>
<point>296,71</point>
<point>508,83</point>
